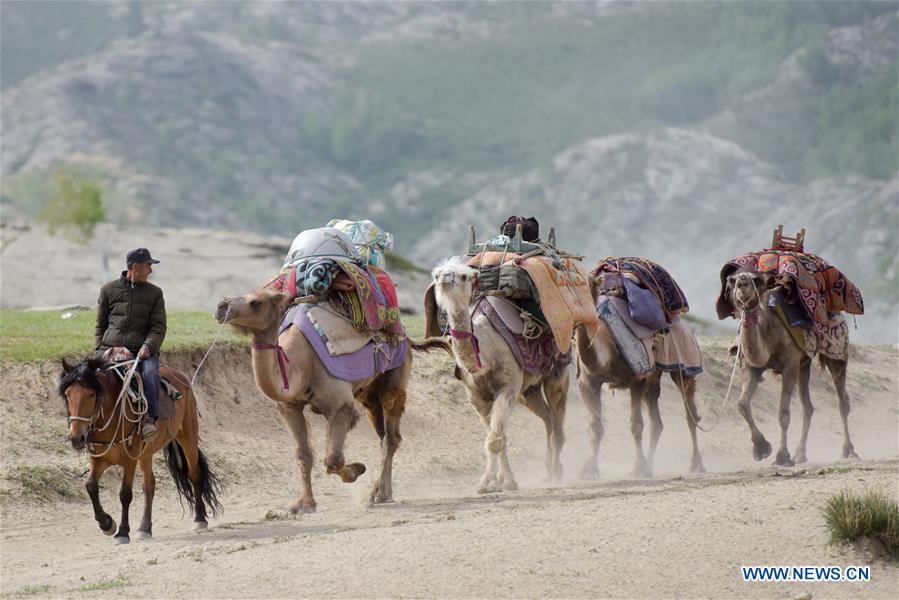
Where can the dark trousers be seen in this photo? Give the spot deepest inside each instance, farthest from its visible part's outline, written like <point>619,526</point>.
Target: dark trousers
<point>149,373</point>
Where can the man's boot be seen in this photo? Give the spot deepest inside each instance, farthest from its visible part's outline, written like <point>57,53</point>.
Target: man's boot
<point>148,430</point>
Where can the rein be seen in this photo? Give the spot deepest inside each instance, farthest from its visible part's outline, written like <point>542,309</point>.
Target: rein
<point>282,358</point>
<point>465,335</point>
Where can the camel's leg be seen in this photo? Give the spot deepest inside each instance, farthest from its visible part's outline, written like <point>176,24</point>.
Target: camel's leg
<point>125,495</point>
<point>638,391</point>
<point>488,481</point>
<point>837,370</point>
<point>556,391</point>
<point>591,394</point>
<point>651,398</point>
<point>293,417</point>
<point>92,486</point>
<point>149,486</point>
<point>789,378</point>
<point>497,441</point>
<point>687,387</point>
<point>805,370</point>
<point>533,399</point>
<point>339,424</point>
<point>751,377</point>
<point>390,413</point>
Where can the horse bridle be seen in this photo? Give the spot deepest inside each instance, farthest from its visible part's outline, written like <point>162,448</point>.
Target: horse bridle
<point>92,421</point>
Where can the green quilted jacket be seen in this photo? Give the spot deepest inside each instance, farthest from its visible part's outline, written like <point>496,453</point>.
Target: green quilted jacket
<point>130,315</point>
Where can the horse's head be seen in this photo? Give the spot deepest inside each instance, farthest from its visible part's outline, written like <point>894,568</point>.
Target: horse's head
<point>747,290</point>
<point>258,311</point>
<point>82,388</point>
<point>454,284</point>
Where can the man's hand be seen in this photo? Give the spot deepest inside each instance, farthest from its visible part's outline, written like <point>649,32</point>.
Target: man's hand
<point>118,353</point>
<point>144,352</point>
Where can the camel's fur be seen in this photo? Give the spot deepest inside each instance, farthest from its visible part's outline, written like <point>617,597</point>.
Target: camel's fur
<point>383,396</point>
<point>600,362</point>
<point>767,345</point>
<point>494,388</point>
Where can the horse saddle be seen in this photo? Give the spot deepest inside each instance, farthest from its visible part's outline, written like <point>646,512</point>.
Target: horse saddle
<point>167,399</point>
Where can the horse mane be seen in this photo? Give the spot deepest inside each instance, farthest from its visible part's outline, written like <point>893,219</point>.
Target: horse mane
<point>85,374</point>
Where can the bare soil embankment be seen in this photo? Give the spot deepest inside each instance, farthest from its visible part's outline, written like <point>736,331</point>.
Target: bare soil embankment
<point>675,535</point>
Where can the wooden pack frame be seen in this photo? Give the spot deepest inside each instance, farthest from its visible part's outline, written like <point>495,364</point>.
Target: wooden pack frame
<point>517,245</point>
<point>782,242</point>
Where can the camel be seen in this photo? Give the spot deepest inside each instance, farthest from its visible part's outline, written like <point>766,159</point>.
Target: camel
<point>494,380</point>
<point>765,344</point>
<point>600,362</point>
<point>383,396</point>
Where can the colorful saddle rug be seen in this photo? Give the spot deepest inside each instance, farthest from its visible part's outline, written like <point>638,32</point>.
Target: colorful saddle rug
<point>649,275</point>
<point>833,343</point>
<point>563,290</point>
<point>535,355</point>
<point>376,356</point>
<point>370,301</point>
<point>820,287</point>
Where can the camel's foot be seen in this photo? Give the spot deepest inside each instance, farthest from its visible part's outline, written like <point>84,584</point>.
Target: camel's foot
<point>642,471</point>
<point>142,535</point>
<point>509,485</point>
<point>380,494</point>
<point>799,456</point>
<point>849,452</point>
<point>783,459</point>
<point>109,529</point>
<point>761,450</point>
<point>351,472</point>
<point>489,485</point>
<point>696,466</point>
<point>304,505</point>
<point>590,471</point>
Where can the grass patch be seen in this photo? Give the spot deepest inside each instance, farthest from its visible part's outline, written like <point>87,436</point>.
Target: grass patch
<point>31,590</point>
<point>35,337</point>
<point>48,482</point>
<point>415,326</point>
<point>873,515</point>
<point>105,584</point>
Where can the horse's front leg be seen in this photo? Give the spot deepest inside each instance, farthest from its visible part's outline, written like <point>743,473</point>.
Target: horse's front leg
<point>145,531</point>
<point>125,495</point>
<point>92,486</point>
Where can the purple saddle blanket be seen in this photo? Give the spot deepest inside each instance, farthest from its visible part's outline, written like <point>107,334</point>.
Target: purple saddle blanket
<point>375,357</point>
<point>537,355</point>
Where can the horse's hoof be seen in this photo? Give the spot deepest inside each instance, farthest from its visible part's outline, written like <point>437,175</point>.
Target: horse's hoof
<point>121,539</point>
<point>351,472</point>
<point>201,525</point>
<point>143,535</point>
<point>111,529</point>
<point>761,450</point>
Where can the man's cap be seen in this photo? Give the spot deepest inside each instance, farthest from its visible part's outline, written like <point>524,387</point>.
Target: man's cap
<point>140,255</point>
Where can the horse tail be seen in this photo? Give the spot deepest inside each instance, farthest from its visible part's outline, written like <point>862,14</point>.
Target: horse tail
<point>210,485</point>
<point>431,343</point>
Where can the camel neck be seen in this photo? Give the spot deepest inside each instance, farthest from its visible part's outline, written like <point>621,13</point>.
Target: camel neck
<point>751,339</point>
<point>465,344</point>
<point>270,364</point>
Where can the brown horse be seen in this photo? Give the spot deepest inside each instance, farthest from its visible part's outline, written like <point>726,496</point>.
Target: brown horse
<point>109,427</point>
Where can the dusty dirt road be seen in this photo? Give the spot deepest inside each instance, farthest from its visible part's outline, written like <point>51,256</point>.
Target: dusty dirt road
<point>676,535</point>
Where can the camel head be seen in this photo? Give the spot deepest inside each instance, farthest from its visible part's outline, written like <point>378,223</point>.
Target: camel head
<point>258,311</point>
<point>454,285</point>
<point>747,290</point>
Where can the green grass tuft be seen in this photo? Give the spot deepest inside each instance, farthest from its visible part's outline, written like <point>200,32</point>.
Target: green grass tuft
<point>105,584</point>
<point>874,515</point>
<point>47,482</point>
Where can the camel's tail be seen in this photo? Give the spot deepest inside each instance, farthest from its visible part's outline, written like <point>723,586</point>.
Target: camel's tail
<point>431,343</point>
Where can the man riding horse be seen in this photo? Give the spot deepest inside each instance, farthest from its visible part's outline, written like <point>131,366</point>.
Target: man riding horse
<point>131,321</point>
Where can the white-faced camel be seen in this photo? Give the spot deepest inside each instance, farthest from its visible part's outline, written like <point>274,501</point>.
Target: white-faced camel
<point>494,380</point>
<point>310,384</point>
<point>765,343</point>
<point>602,363</point>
